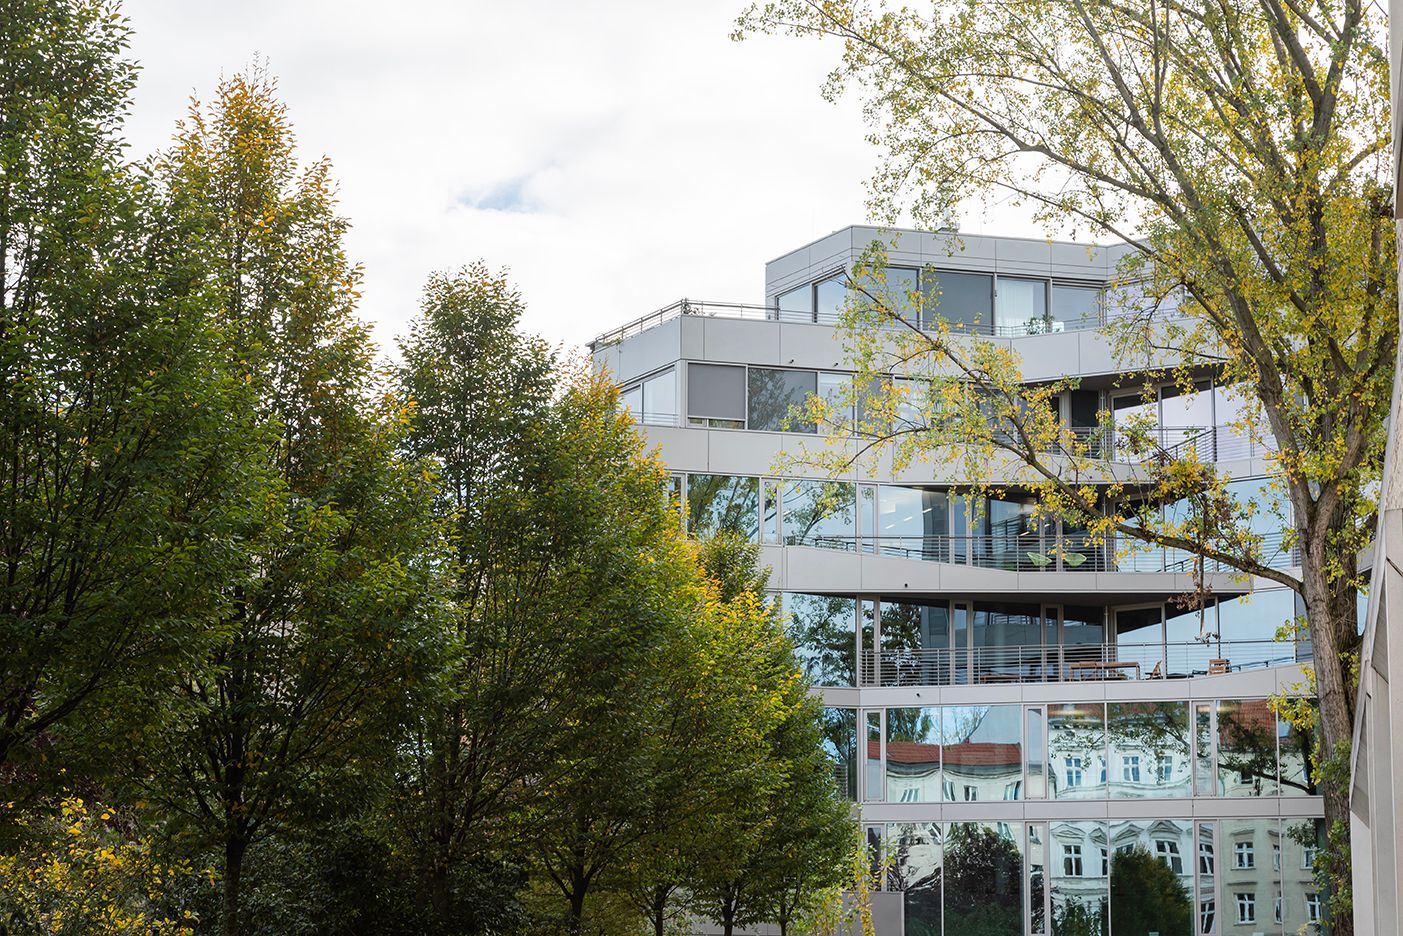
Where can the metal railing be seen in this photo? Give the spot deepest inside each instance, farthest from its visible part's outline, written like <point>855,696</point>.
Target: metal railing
<point>1073,662</point>
<point>1040,325</point>
<point>1030,553</point>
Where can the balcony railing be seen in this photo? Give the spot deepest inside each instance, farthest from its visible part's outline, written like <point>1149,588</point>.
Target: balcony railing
<point>1030,553</point>
<point>1040,325</point>
<point>1072,663</point>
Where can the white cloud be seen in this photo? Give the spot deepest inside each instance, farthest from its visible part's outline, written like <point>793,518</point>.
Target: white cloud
<point>614,155</point>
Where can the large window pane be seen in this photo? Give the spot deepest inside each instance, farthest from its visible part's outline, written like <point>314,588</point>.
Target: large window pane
<point>914,855</point>
<point>840,742</point>
<point>820,513</point>
<point>1249,868</point>
<point>984,878</point>
<point>872,785</point>
<point>1152,878</point>
<point>1007,639</point>
<point>964,300</point>
<point>823,629</point>
<point>1297,755</point>
<point>717,503</point>
<point>829,296</point>
<point>1076,306</point>
<point>797,305</point>
<point>1248,626</point>
<point>915,643</point>
<point>1207,879</point>
<point>1140,637</point>
<point>660,398</point>
<point>1077,751</point>
<point>913,522</point>
<point>1302,903</point>
<point>836,391</point>
<point>896,288</point>
<point>716,391</point>
<point>1078,874</point>
<point>1022,306</point>
<point>913,755</point>
<point>983,750</point>
<point>1246,748</point>
<point>1149,749</point>
<point>1083,632</point>
<point>778,399</point>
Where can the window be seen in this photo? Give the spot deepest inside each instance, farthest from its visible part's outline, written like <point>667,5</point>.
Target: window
<point>1308,857</point>
<point>1105,863</point>
<point>829,296</point>
<point>1314,908</point>
<point>1166,770</point>
<point>1275,857</point>
<point>797,305</point>
<point>1130,768</point>
<point>949,789</point>
<point>1071,861</point>
<point>964,300</point>
<point>971,793</point>
<point>716,395</point>
<point>1168,852</point>
<point>1022,306</point>
<point>819,513</point>
<point>1205,857</point>
<point>723,502</point>
<point>1074,767</point>
<point>1011,790</point>
<point>1075,306</point>
<point>778,398</point>
<point>1276,909</point>
<point>1244,856</point>
<point>1246,907</point>
<point>1207,915</point>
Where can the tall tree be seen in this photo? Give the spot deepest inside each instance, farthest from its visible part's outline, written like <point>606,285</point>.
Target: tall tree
<point>122,477</point>
<point>326,615</point>
<point>1239,150</point>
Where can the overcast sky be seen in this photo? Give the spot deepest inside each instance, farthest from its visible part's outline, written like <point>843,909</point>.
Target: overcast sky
<point>614,156</point>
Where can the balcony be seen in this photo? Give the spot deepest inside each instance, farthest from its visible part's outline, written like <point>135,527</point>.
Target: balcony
<point>1073,663</point>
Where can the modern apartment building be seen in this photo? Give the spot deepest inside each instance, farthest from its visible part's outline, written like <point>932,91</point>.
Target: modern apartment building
<point>1038,738</point>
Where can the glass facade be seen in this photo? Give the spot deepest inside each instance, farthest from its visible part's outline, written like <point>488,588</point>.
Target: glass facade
<point>822,629</point>
<point>723,503</point>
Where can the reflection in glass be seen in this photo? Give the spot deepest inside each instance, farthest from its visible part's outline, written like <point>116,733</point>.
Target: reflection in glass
<point>983,872</point>
<point>840,742</point>
<point>723,503</point>
<point>913,755</point>
<point>1246,748</point>
<point>983,752</point>
<point>914,870</point>
<point>797,305</point>
<point>1250,878</point>
<point>872,787</point>
<point>1037,879</point>
<point>1078,872</point>
<point>829,296</point>
<point>1083,633</point>
<point>964,300</point>
<point>1296,749</point>
<point>820,513</point>
<point>1140,638</point>
<point>916,642</point>
<point>1207,881</point>
<point>836,391</point>
<point>1303,905</point>
<point>1075,306</point>
<point>913,522</point>
<point>1251,621</point>
<point>779,398</point>
<point>660,397</point>
<point>1077,751</point>
<point>823,631</point>
<point>1149,749</point>
<point>1152,877</point>
<point>999,628</point>
<point>1037,761</point>
<point>1205,775</point>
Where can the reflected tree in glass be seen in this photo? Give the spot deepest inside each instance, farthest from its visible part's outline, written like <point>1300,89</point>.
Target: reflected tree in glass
<point>820,513</point>
<point>1297,755</point>
<point>723,503</point>
<point>1246,748</point>
<point>840,743</point>
<point>914,870</point>
<point>778,399</point>
<point>1147,897</point>
<point>823,630</point>
<point>1149,749</point>
<point>913,755</point>
<point>1077,865</point>
<point>1077,751</point>
<point>983,879</point>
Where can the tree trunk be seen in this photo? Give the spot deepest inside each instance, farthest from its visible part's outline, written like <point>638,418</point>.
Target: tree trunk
<point>578,887</point>
<point>658,912</point>
<point>234,848</point>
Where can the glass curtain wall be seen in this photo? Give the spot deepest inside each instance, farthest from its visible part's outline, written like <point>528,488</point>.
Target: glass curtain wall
<point>1076,741</point>
<point>914,868</point>
<point>823,630</point>
<point>914,522</point>
<point>820,513</point>
<point>723,503</point>
<point>1149,749</point>
<point>983,878</point>
<point>1152,878</point>
<point>840,743</point>
<point>1079,878</point>
<point>913,755</point>
<point>983,752</point>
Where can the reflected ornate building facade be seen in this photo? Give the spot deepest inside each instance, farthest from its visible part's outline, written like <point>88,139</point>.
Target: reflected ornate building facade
<point>1039,739</point>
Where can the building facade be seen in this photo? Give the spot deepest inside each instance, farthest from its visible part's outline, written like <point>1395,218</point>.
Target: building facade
<point>1037,737</point>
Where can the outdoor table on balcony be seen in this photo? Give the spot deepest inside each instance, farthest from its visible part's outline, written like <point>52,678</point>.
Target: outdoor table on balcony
<point>1081,668</point>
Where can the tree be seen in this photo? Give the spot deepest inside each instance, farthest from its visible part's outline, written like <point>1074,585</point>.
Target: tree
<point>982,874</point>
<point>1147,896</point>
<point>123,479</point>
<point>326,617</point>
<point>1240,151</point>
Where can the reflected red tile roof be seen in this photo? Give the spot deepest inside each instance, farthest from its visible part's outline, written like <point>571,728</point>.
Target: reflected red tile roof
<point>982,754</point>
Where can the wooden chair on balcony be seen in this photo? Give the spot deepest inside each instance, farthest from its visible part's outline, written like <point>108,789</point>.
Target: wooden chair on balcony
<point>1217,667</point>
<point>1157,672</point>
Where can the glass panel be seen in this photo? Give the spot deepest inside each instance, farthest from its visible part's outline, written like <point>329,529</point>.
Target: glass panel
<point>913,755</point>
<point>1076,741</point>
<point>632,400</point>
<point>983,749</point>
<point>915,872</point>
<point>823,631</point>
<point>1075,306</point>
<point>836,390</point>
<point>716,391</point>
<point>1152,878</point>
<point>983,876</point>
<point>1303,904</point>
<point>1187,416</point>
<point>1246,748</point>
<point>1191,635</point>
<point>1251,882</point>
<point>1248,625</point>
<point>797,305</point>
<point>1022,306</point>
<point>769,512</point>
<point>896,287</point>
<point>915,643</point>
<point>913,522</point>
<point>867,517</point>
<point>1037,879</point>
<point>1078,877</point>
<point>840,743</point>
<point>829,297</point>
<point>1010,534</point>
<point>872,776</point>
<point>1037,759</point>
<point>1007,642</point>
<point>1083,634</point>
<point>1140,639</point>
<point>1205,777</point>
<point>820,513</point>
<point>778,399</point>
<point>1296,750</point>
<point>660,398</point>
<point>717,503</point>
<point>867,627</point>
<point>1207,881</point>
<point>1149,749</point>
<point>1133,410</point>
<point>965,300</point>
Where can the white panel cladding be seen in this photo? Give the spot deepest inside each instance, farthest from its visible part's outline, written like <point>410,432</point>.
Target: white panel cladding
<point>740,341</point>
<point>654,348</point>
